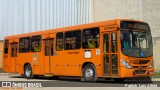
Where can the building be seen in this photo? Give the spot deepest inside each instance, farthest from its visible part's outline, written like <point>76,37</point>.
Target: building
<point>22,16</point>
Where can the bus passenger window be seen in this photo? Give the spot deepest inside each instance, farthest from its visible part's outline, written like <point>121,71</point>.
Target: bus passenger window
<point>68,46</point>
<point>106,43</point>
<point>72,40</point>
<point>47,50</point>
<point>36,43</point>
<point>6,47</point>
<point>114,64</point>
<point>14,49</point>
<point>59,41</point>
<point>52,47</point>
<point>114,42</point>
<point>24,45</point>
<point>91,38</point>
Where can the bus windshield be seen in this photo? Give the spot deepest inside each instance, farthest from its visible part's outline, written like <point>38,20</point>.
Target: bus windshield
<point>136,43</point>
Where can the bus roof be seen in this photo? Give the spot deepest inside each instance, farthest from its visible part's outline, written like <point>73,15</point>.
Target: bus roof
<point>82,26</point>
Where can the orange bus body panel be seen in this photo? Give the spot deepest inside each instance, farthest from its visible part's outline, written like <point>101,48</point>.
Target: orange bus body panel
<point>65,62</point>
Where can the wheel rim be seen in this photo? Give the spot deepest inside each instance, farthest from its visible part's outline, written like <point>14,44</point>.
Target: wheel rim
<point>89,73</point>
<point>28,72</point>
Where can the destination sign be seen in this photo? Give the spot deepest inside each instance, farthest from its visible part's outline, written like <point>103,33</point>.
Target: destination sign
<point>134,25</point>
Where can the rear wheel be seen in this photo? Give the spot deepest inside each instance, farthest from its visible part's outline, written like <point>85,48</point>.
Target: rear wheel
<point>89,73</point>
<point>28,71</point>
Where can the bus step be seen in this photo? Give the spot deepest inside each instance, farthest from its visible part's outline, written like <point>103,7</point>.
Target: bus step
<point>48,75</point>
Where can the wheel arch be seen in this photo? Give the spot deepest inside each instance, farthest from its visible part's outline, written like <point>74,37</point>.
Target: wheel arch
<point>85,63</point>
<point>31,73</point>
<point>25,65</point>
<point>84,67</point>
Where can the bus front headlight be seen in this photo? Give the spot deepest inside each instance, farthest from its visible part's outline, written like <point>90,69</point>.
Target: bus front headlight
<point>125,63</point>
<point>151,64</point>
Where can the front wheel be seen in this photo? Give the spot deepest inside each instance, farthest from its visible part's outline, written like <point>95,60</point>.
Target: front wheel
<point>89,73</point>
<point>28,71</point>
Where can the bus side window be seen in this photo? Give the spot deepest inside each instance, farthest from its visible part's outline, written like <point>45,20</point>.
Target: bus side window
<point>6,47</point>
<point>91,38</point>
<point>36,43</point>
<point>59,41</point>
<point>114,42</point>
<point>72,40</point>
<point>24,45</point>
<point>106,43</point>
<point>47,50</point>
<point>52,46</point>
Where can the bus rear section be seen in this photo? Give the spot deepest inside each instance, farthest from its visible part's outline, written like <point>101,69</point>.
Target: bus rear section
<point>5,62</point>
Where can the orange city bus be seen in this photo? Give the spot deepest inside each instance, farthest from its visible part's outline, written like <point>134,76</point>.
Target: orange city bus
<point>117,49</point>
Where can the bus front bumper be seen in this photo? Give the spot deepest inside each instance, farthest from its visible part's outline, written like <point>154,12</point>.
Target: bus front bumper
<point>126,73</point>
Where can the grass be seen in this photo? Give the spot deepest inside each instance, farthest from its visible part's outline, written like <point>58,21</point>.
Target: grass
<point>156,75</point>
<point>1,71</point>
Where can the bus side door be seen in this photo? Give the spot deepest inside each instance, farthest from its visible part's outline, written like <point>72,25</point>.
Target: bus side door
<point>48,54</point>
<point>110,55</point>
<point>13,56</point>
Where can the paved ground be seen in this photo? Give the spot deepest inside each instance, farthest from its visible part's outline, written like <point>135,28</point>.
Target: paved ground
<point>75,83</point>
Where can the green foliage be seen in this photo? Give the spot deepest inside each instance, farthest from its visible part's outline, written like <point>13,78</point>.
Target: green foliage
<point>156,75</point>
<point>1,71</point>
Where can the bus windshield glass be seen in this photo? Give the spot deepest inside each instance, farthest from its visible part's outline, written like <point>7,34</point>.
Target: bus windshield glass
<point>136,43</point>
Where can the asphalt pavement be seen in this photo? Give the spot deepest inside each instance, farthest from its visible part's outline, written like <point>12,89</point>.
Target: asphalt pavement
<point>45,83</point>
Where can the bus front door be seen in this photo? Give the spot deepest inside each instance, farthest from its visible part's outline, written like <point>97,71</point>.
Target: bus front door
<point>48,48</point>
<point>110,55</point>
<point>14,52</point>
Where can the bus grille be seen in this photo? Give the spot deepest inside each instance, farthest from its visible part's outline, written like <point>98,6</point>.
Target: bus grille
<point>140,71</point>
<point>143,61</point>
<point>143,67</point>
<point>139,61</point>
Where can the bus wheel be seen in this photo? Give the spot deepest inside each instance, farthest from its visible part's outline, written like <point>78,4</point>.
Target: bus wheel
<point>119,80</point>
<point>28,71</point>
<point>89,73</point>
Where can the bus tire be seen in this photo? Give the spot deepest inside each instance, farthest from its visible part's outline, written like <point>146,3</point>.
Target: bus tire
<point>28,71</point>
<point>89,73</point>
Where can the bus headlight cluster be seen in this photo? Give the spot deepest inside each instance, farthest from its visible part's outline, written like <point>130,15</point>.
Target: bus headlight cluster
<point>151,64</point>
<point>126,64</point>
